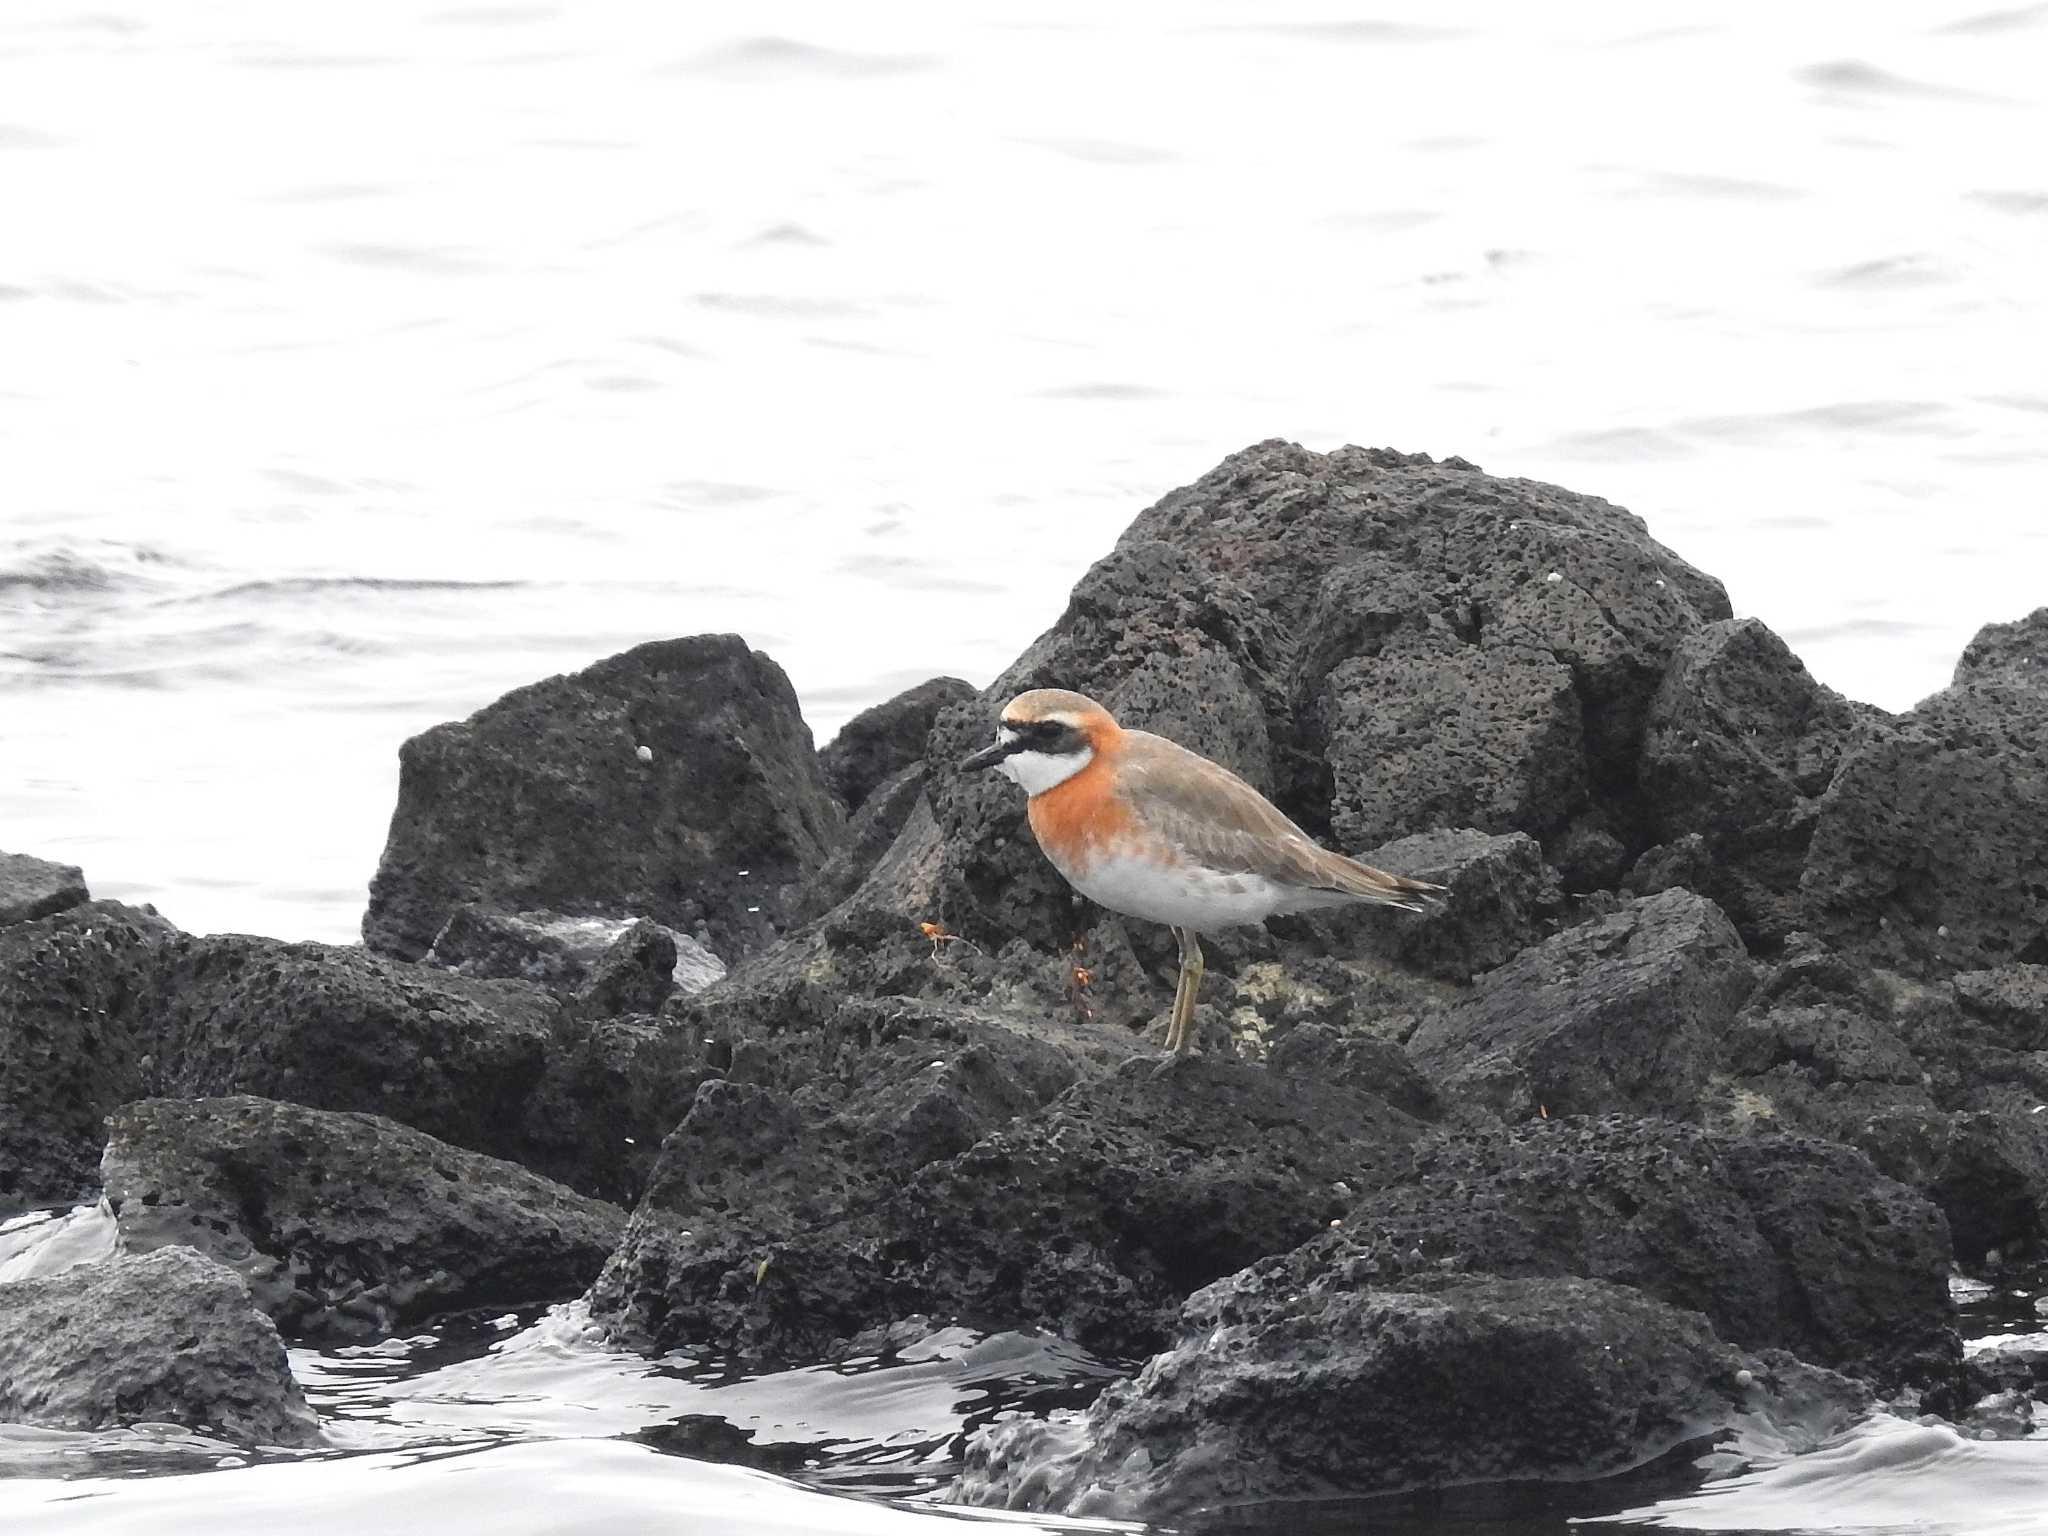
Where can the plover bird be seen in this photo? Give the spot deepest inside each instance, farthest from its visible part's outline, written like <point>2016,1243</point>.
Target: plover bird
<point>1145,827</point>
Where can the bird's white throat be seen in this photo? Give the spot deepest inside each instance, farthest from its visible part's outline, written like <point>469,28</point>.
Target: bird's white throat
<point>1040,771</point>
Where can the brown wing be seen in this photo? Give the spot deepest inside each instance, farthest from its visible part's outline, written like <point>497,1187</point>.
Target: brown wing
<point>1217,817</point>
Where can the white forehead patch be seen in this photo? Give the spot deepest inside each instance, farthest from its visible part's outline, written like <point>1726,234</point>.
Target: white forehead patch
<point>1005,735</point>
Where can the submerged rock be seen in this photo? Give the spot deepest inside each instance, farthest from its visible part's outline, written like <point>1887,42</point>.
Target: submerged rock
<point>169,1337</point>
<point>675,781</point>
<point>347,1225</point>
<point>1279,1393</point>
<point>32,888</point>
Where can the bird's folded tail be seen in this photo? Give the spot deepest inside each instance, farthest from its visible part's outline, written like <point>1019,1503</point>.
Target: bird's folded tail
<point>1379,887</point>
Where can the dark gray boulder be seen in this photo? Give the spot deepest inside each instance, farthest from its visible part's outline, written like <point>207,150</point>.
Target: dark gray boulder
<point>1431,731</point>
<point>1381,642</point>
<point>1939,1083</point>
<point>676,781</point>
<point>1783,1242</point>
<point>947,1190</point>
<point>32,888</point>
<point>2015,652</point>
<point>1499,898</point>
<point>1275,1392</point>
<point>68,1052</point>
<point>169,1337</point>
<point>879,743</point>
<point>1740,745</point>
<point>1625,1012</point>
<point>1927,855</point>
<point>870,834</point>
<point>346,1226</point>
<point>336,1027</point>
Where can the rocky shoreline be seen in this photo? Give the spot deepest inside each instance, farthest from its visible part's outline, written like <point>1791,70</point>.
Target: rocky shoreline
<point>1730,1043</point>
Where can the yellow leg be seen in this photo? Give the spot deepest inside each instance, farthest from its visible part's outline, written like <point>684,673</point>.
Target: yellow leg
<point>1180,993</point>
<point>1180,1033</point>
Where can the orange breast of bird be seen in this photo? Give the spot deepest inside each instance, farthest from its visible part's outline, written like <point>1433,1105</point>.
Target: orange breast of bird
<point>1082,820</point>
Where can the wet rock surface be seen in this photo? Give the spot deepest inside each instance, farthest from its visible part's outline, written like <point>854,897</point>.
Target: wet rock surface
<point>346,1226</point>
<point>1278,1393</point>
<point>32,888</point>
<point>676,781</point>
<point>169,1337</point>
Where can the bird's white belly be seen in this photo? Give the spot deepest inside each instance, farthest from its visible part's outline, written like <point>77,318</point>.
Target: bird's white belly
<point>1184,895</point>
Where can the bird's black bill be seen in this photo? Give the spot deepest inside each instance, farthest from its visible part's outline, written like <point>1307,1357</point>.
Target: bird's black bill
<point>988,757</point>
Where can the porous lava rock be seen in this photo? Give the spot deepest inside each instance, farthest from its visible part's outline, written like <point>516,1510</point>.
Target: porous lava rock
<point>878,744</point>
<point>1625,1012</point>
<point>32,888</point>
<point>1740,745</point>
<point>561,950</point>
<point>1499,898</point>
<point>1381,642</point>
<point>169,1337</point>
<point>676,781</point>
<point>1275,1392</point>
<point>1930,855</point>
<point>346,1226</point>
<point>1941,1083</point>
<point>1783,1241</point>
<point>67,1048</point>
<point>950,1191</point>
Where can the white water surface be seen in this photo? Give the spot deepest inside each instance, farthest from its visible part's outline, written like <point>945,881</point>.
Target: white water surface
<point>356,369</point>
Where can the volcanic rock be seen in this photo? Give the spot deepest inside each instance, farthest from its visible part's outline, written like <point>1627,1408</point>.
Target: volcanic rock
<point>558,950</point>
<point>780,1232</point>
<point>1782,1241</point>
<point>32,888</point>
<point>1498,896</point>
<point>67,1048</point>
<point>1622,1013</point>
<point>1277,1392</point>
<point>1928,854</point>
<point>346,1225</point>
<point>878,744</point>
<point>1381,642</point>
<point>676,781</point>
<point>166,1337</point>
<point>1740,745</point>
